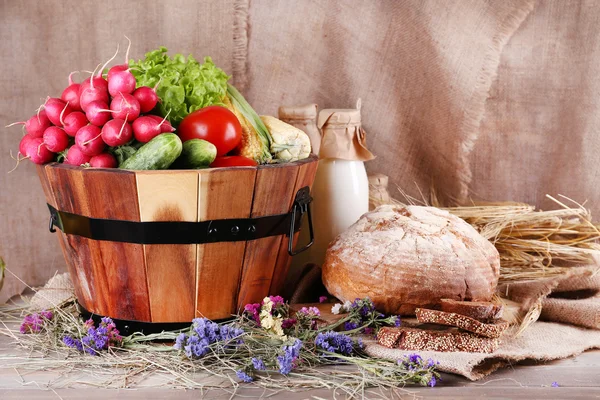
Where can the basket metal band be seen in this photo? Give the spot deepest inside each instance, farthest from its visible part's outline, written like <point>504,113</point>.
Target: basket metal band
<point>182,232</point>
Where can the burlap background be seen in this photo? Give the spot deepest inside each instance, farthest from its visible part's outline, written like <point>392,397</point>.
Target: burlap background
<point>434,109</point>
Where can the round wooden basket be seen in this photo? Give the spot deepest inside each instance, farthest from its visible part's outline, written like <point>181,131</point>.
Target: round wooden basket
<point>172,283</point>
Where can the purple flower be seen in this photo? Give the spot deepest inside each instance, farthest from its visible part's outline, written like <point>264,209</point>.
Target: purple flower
<point>432,381</point>
<point>258,364</point>
<point>96,339</point>
<point>243,376</point>
<point>253,310</point>
<point>310,311</point>
<point>368,331</point>
<point>287,360</point>
<point>398,321</point>
<point>555,384</point>
<point>322,299</point>
<point>335,342</point>
<point>288,323</point>
<point>431,363</point>
<point>203,333</point>
<point>349,325</point>
<point>34,323</point>
<point>277,300</point>
<point>415,358</point>
<point>74,343</point>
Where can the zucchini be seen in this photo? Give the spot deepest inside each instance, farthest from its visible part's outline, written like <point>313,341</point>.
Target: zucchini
<point>196,153</point>
<point>159,153</point>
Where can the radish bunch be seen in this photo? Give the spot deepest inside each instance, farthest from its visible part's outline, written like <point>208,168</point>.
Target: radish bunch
<point>92,117</point>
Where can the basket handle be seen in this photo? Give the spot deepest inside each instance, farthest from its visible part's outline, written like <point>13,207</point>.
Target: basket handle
<point>301,203</point>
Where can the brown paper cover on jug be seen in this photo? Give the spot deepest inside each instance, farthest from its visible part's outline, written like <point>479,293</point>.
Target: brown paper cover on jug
<point>342,135</point>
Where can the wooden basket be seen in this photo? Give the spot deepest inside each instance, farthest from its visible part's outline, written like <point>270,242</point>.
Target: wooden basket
<point>162,283</point>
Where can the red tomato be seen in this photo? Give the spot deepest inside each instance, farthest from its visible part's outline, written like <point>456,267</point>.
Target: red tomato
<point>214,124</point>
<point>233,161</point>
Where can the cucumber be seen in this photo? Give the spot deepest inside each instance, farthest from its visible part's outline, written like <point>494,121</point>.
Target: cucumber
<point>196,154</point>
<point>159,153</point>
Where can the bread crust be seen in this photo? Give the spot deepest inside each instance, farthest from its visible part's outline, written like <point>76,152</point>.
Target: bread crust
<point>492,330</point>
<point>479,310</point>
<point>409,257</point>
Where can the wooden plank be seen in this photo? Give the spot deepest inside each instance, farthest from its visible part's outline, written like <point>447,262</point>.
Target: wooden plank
<point>170,269</point>
<point>222,193</point>
<point>112,194</point>
<point>67,251</point>
<point>70,195</point>
<point>306,175</point>
<point>272,192</point>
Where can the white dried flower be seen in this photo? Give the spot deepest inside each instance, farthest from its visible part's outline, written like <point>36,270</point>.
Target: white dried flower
<point>347,306</point>
<point>336,308</point>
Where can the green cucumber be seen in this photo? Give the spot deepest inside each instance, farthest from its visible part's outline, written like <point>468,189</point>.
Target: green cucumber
<point>159,153</point>
<point>196,154</point>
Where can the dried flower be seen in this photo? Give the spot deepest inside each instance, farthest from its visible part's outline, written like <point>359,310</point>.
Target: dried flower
<point>420,369</point>
<point>311,311</point>
<point>203,333</point>
<point>335,342</point>
<point>34,323</point>
<point>277,301</point>
<point>244,376</point>
<point>288,323</point>
<point>253,311</point>
<point>554,384</point>
<point>322,299</point>
<point>96,338</point>
<point>336,308</point>
<point>258,364</point>
<point>287,360</point>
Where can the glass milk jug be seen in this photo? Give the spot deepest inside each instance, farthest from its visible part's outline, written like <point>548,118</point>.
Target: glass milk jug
<point>341,186</point>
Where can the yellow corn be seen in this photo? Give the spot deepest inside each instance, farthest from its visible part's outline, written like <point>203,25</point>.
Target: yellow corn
<point>288,142</point>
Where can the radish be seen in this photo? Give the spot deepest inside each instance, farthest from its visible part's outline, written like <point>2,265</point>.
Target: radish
<point>56,110</point>
<point>166,125</point>
<point>37,151</point>
<point>93,89</point>
<point>71,94</point>
<point>147,128</point>
<point>121,82</point>
<point>116,132</point>
<point>76,157</point>
<point>125,106</point>
<point>74,122</point>
<point>147,98</point>
<point>36,125</point>
<point>97,113</point>
<point>23,144</point>
<point>56,139</point>
<point>89,140</point>
<point>104,160</point>
<point>121,67</point>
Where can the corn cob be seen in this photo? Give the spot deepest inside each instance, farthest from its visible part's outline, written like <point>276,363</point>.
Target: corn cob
<point>288,143</point>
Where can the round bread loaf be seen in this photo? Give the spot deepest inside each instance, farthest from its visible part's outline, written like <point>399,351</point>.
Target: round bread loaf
<point>404,257</point>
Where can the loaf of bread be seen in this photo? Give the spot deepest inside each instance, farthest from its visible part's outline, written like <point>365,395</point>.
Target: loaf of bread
<point>433,340</point>
<point>404,257</point>
<point>479,310</point>
<point>493,329</point>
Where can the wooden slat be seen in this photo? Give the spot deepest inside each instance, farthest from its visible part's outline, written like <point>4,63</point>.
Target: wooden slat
<point>112,194</point>
<point>305,177</point>
<point>67,251</point>
<point>70,196</point>
<point>222,193</point>
<point>170,269</point>
<point>273,188</point>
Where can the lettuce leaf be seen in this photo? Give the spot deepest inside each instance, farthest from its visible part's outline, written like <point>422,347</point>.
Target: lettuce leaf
<point>185,84</point>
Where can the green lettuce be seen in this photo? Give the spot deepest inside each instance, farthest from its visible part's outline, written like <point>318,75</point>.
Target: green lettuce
<point>185,84</point>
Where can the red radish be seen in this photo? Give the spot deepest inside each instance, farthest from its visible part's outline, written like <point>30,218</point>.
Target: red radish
<point>147,98</point>
<point>166,125</point>
<point>23,144</point>
<point>121,67</point>
<point>89,140</point>
<point>76,157</point>
<point>93,89</point>
<point>56,139</point>
<point>147,128</point>
<point>36,125</point>
<point>74,122</point>
<point>125,106</point>
<point>71,94</point>
<point>97,113</point>
<point>115,69</point>
<point>37,151</point>
<point>116,132</point>
<point>57,110</point>
<point>103,160</point>
<point>121,82</point>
